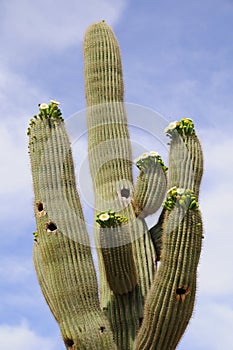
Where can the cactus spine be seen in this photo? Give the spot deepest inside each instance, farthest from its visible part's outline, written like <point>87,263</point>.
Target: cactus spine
<point>139,307</point>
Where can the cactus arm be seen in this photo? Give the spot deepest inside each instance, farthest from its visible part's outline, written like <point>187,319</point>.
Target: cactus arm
<point>170,301</point>
<point>110,162</point>
<point>41,276</point>
<point>151,184</point>
<point>62,255</point>
<point>185,158</point>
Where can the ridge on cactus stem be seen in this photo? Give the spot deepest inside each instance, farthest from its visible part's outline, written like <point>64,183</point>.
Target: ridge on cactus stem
<point>136,304</point>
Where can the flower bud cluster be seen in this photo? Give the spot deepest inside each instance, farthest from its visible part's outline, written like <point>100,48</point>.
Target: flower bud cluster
<point>50,111</point>
<point>150,160</point>
<point>180,197</point>
<point>184,127</point>
<point>110,219</point>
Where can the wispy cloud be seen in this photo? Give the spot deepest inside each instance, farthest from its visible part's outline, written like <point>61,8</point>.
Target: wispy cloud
<point>15,270</point>
<point>216,203</point>
<point>51,25</point>
<point>21,337</point>
<point>211,328</point>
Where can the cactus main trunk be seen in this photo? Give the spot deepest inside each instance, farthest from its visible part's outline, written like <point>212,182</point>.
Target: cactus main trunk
<point>111,168</point>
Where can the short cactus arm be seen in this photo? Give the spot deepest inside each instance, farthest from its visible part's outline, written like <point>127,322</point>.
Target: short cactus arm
<point>62,254</point>
<point>170,301</point>
<point>185,158</point>
<point>151,184</point>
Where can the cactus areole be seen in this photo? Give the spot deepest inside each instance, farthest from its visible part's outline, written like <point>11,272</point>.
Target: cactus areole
<point>137,305</point>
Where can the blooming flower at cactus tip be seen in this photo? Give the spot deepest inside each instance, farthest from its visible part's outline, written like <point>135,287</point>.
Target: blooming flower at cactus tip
<point>153,154</point>
<point>144,155</point>
<point>54,102</point>
<point>104,217</point>
<point>180,191</point>
<point>137,160</point>
<point>44,106</point>
<point>171,126</point>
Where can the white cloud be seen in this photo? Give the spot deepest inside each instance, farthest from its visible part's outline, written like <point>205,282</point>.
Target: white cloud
<point>15,270</point>
<point>216,204</point>
<point>54,25</point>
<point>21,337</point>
<point>17,101</point>
<point>211,328</point>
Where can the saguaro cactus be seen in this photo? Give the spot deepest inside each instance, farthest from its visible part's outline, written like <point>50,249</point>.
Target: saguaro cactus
<point>140,306</point>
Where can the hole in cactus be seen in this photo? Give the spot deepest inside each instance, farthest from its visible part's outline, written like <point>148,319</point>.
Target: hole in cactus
<point>68,342</point>
<point>182,292</point>
<point>125,192</point>
<point>102,329</point>
<point>51,226</point>
<point>40,206</point>
<point>140,321</point>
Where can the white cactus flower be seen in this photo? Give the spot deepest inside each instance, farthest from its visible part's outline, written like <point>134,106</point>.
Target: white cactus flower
<point>44,106</point>
<point>55,102</point>
<point>104,217</point>
<point>137,160</point>
<point>180,191</point>
<point>172,125</point>
<point>145,155</point>
<point>153,153</point>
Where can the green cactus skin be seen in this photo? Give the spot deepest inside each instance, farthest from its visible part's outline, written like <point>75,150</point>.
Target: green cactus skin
<point>64,265</point>
<point>110,161</point>
<point>118,258</point>
<point>170,301</point>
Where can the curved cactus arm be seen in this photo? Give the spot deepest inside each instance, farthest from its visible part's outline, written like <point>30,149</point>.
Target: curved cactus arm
<point>62,255</point>
<point>151,184</point>
<point>170,301</point>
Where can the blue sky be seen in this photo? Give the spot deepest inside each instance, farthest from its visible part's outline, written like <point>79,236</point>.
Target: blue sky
<point>177,60</point>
